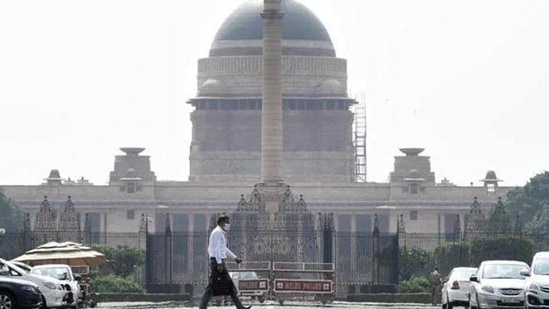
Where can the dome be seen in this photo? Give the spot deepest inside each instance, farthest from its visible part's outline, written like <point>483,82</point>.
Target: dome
<point>299,24</point>
<point>211,86</point>
<point>331,87</point>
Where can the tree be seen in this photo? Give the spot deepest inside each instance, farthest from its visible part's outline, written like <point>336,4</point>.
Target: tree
<point>121,260</point>
<point>539,224</point>
<point>499,221</point>
<point>530,203</point>
<point>11,216</point>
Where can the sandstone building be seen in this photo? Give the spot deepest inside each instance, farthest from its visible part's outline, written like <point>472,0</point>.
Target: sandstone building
<point>319,151</point>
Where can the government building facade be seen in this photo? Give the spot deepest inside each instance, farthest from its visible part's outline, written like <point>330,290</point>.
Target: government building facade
<point>320,152</point>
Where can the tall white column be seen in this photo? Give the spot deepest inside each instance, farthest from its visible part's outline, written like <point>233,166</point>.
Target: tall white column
<point>271,116</point>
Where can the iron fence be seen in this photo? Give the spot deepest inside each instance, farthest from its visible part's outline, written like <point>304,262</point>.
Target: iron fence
<point>178,261</point>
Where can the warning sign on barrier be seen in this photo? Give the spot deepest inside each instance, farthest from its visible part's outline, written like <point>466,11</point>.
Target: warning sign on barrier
<point>318,286</point>
<point>253,284</point>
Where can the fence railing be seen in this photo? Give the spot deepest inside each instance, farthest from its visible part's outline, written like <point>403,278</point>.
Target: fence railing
<point>177,259</point>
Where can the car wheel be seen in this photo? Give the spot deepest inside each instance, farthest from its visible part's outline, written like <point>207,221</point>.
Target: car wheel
<point>450,306</point>
<point>6,300</point>
<point>444,306</point>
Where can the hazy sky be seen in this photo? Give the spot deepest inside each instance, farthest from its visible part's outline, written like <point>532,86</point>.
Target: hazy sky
<point>467,80</point>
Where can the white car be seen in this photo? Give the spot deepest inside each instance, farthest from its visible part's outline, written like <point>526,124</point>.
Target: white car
<point>498,284</point>
<point>53,294</point>
<point>537,285</point>
<point>455,290</point>
<point>64,274</point>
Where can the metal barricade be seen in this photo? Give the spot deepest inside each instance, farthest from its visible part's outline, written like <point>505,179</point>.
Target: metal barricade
<point>306,281</point>
<point>252,279</point>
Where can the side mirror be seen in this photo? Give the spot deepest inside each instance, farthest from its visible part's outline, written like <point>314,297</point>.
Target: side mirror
<point>525,273</point>
<point>473,278</point>
<point>77,277</point>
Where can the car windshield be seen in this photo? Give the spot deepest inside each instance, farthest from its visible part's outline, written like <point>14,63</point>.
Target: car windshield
<point>61,273</point>
<point>248,275</point>
<point>541,266</point>
<point>243,275</point>
<point>503,271</point>
<point>463,273</point>
<point>12,268</point>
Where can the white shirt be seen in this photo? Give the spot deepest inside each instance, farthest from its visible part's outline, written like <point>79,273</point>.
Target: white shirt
<point>217,248</point>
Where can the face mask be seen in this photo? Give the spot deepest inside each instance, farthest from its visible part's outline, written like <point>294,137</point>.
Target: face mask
<point>226,226</point>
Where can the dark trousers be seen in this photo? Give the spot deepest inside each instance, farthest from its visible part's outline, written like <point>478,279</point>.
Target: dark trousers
<point>226,279</point>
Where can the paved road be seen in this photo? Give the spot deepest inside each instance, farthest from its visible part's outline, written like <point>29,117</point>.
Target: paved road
<point>272,305</point>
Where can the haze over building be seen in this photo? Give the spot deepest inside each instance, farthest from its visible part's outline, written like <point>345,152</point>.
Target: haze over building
<point>320,148</point>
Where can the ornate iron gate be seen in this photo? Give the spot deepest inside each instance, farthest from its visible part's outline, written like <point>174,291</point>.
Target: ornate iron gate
<point>291,234</point>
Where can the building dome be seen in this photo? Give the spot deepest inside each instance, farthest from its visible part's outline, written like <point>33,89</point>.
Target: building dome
<point>331,87</point>
<point>299,24</point>
<point>212,87</point>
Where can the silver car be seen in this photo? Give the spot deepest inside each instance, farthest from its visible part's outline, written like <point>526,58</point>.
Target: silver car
<point>537,285</point>
<point>455,290</point>
<point>498,284</point>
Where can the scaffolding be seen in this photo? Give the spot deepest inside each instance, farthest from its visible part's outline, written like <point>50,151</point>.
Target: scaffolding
<point>359,137</point>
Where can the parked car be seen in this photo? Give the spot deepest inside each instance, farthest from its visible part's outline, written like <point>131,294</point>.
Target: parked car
<point>455,290</point>
<point>53,293</point>
<point>498,284</point>
<point>15,293</point>
<point>64,274</point>
<point>248,275</point>
<point>537,283</point>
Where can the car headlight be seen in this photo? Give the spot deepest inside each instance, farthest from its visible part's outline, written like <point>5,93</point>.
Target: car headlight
<point>533,287</point>
<point>50,285</point>
<point>487,288</point>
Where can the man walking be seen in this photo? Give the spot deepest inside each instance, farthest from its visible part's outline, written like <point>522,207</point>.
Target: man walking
<point>220,282</point>
<point>435,280</point>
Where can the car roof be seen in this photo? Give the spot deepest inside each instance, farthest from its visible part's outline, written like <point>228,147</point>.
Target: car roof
<point>541,254</point>
<point>504,262</point>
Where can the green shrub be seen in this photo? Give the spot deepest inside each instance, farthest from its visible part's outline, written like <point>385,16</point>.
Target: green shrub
<point>120,260</point>
<point>415,262</point>
<point>115,284</point>
<point>416,284</point>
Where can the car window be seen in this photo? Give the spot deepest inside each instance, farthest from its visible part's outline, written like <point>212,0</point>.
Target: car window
<point>61,273</point>
<point>3,267</point>
<point>503,271</point>
<point>541,266</point>
<point>248,275</point>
